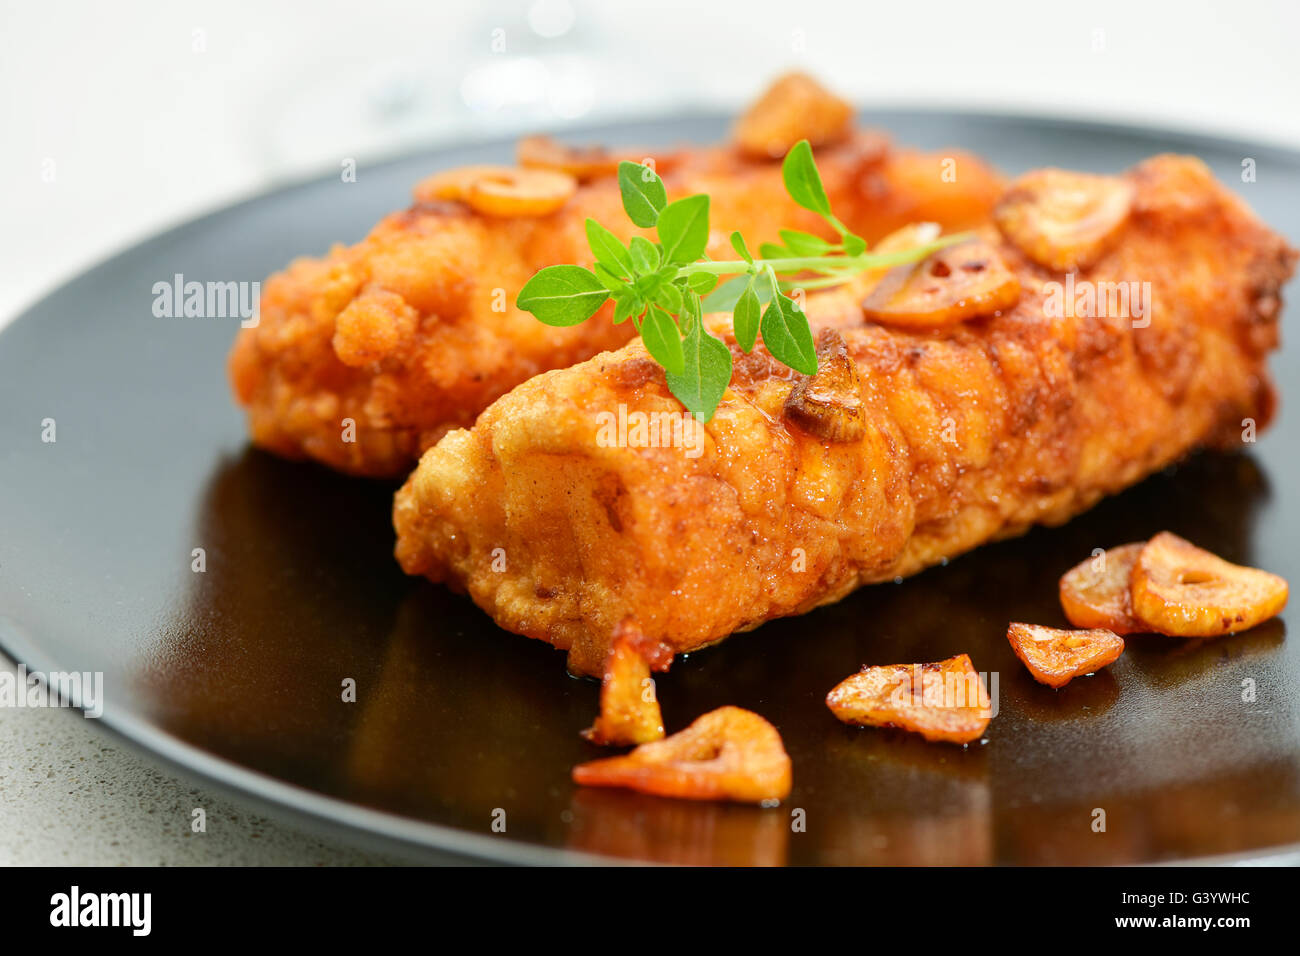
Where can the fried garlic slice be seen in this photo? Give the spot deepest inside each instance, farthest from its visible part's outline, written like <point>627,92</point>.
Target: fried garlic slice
<point>913,234</point>
<point>795,107</point>
<point>501,191</point>
<point>629,710</point>
<point>1055,656</point>
<point>727,754</point>
<point>1064,220</point>
<point>829,403</point>
<point>1184,591</point>
<point>525,193</point>
<point>583,163</point>
<point>953,284</point>
<point>1095,592</point>
<point>945,701</point>
<point>452,185</point>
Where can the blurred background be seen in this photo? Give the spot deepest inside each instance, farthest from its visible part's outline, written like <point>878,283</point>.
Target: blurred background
<point>120,119</point>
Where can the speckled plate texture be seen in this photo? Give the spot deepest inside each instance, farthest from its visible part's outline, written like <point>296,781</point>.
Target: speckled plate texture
<point>236,673</point>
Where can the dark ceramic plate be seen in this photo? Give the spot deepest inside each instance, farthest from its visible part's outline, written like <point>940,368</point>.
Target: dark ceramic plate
<point>236,673</point>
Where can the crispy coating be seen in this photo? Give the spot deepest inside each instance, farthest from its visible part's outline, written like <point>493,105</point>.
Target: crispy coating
<point>972,432</point>
<point>414,331</point>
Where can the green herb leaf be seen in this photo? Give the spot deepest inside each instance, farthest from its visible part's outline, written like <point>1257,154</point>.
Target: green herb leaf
<point>788,337</point>
<point>645,257</point>
<point>707,373</point>
<point>804,243</point>
<point>644,196</point>
<point>663,341</point>
<point>610,281</point>
<point>802,181</point>
<point>649,282</point>
<point>608,251</point>
<point>745,319</point>
<point>626,306</point>
<point>691,314</point>
<point>684,229</point>
<point>668,297</point>
<point>562,295</point>
<point>702,282</point>
<point>742,250</point>
<point>725,297</point>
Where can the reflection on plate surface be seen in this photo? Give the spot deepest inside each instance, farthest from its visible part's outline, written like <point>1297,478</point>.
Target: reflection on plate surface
<point>456,720</point>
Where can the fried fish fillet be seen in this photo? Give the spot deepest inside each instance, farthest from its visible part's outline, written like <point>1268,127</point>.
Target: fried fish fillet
<point>364,358</point>
<point>910,446</point>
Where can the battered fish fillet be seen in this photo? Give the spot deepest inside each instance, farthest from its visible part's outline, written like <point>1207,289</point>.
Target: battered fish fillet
<point>414,331</point>
<point>965,434</point>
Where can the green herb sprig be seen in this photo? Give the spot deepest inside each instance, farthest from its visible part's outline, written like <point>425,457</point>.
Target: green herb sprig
<point>666,287</point>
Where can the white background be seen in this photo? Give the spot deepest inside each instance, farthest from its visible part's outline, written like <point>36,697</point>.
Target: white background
<point>119,118</point>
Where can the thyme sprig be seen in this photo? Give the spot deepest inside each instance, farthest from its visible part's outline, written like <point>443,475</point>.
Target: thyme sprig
<point>666,287</point>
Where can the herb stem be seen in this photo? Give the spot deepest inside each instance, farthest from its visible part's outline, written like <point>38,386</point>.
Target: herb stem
<point>846,264</point>
<point>822,283</point>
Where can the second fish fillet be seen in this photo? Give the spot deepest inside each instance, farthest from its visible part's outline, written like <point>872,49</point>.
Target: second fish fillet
<point>369,355</point>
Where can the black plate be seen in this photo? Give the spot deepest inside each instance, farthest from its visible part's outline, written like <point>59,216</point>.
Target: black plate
<point>236,673</point>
